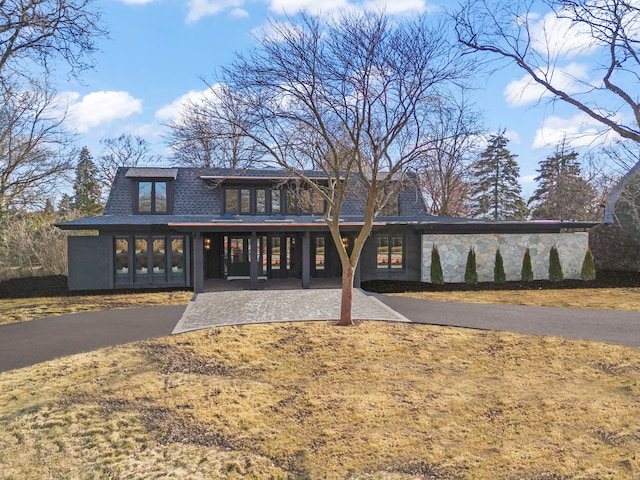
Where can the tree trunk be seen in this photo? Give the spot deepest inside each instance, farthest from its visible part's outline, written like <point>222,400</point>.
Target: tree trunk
<point>347,297</point>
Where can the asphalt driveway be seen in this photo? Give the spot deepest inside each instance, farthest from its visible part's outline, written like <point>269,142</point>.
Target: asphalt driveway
<point>27,343</point>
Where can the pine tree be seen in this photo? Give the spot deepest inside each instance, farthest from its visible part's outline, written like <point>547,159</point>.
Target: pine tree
<point>527,270</point>
<point>588,271</point>
<point>65,206</point>
<point>86,187</point>
<point>498,268</point>
<point>562,193</point>
<point>471,271</point>
<point>437,276</point>
<point>495,192</point>
<point>555,267</point>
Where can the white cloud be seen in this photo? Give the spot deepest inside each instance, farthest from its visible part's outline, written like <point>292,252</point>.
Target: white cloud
<point>513,136</point>
<point>398,6</point>
<point>238,13</point>
<point>98,108</point>
<point>291,7</point>
<point>136,2</point>
<point>572,78</point>
<point>526,179</point>
<point>171,111</point>
<point>578,131</point>
<point>560,37</point>
<point>203,8</point>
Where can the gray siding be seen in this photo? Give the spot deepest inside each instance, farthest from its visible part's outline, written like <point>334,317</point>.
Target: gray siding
<point>411,270</point>
<point>90,263</point>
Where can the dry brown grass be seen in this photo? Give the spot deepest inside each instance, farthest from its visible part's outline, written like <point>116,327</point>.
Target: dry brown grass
<point>598,298</point>
<point>378,401</point>
<point>14,310</point>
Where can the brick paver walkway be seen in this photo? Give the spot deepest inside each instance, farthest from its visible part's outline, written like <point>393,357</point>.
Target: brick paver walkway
<point>214,309</point>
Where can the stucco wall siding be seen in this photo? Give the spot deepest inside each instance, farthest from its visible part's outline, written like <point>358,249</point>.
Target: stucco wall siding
<point>453,251</point>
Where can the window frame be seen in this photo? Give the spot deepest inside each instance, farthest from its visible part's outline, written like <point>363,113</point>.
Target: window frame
<point>389,265</point>
<point>153,208</point>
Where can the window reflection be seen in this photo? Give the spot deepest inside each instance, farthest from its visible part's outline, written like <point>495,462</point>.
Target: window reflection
<point>141,256</point>
<point>158,255</point>
<point>177,255</point>
<point>122,256</point>
<point>144,196</point>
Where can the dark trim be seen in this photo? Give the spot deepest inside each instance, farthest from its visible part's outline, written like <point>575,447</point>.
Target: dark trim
<point>135,201</point>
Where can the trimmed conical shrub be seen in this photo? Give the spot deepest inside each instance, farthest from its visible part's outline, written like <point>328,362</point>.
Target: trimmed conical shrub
<point>555,268</point>
<point>588,271</point>
<point>498,268</point>
<point>436,267</point>
<point>527,270</point>
<point>471,271</point>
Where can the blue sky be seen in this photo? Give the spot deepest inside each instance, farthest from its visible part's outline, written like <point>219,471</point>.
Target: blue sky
<point>159,51</point>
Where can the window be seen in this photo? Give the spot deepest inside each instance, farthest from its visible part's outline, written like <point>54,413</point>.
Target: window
<point>141,256</point>
<point>320,253</point>
<point>149,259</point>
<point>153,197</point>
<point>177,255</point>
<point>231,200</point>
<point>390,252</point>
<point>261,200</point>
<point>274,201</point>
<point>122,256</point>
<point>276,197</point>
<point>159,255</point>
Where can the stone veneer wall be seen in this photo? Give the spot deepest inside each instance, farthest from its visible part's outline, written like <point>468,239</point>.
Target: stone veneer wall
<point>454,249</point>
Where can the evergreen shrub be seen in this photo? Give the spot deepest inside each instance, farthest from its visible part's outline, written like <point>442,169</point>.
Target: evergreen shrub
<point>588,271</point>
<point>555,268</point>
<point>527,270</point>
<point>437,276</point>
<point>498,268</point>
<point>471,271</point>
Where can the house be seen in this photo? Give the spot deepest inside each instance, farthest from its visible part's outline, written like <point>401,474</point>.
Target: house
<point>177,227</point>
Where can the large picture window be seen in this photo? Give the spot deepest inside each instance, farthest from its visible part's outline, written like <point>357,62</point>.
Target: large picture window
<point>143,259</point>
<point>390,252</point>
<point>153,197</point>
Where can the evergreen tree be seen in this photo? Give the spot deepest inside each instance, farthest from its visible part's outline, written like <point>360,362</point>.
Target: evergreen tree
<point>588,271</point>
<point>562,193</point>
<point>498,268</point>
<point>471,271</point>
<point>527,270</point>
<point>65,206</point>
<point>437,276</point>
<point>495,192</point>
<point>49,209</point>
<point>86,186</point>
<point>555,267</point>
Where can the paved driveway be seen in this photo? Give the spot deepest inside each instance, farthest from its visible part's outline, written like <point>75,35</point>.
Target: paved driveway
<point>27,343</point>
<point>616,327</point>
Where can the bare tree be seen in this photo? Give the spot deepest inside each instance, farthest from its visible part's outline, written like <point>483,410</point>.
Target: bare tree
<point>35,148</point>
<point>606,30</point>
<point>352,96</point>
<point>125,150</point>
<point>443,171</point>
<point>37,32</point>
<point>202,137</point>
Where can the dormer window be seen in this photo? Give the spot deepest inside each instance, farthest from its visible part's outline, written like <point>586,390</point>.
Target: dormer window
<point>153,189</point>
<point>152,197</point>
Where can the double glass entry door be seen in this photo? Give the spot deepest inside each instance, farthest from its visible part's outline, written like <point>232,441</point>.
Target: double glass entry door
<point>284,256</point>
<point>279,256</point>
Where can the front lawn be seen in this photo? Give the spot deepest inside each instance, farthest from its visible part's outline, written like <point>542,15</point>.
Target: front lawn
<point>310,400</point>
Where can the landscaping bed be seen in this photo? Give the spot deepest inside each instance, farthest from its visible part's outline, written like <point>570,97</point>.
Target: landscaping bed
<point>603,280</point>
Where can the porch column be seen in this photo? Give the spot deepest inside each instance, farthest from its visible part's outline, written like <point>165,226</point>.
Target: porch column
<point>253,262</point>
<point>198,263</point>
<point>306,260</point>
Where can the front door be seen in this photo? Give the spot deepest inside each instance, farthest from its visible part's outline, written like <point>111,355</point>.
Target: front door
<point>285,255</point>
<point>238,255</point>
